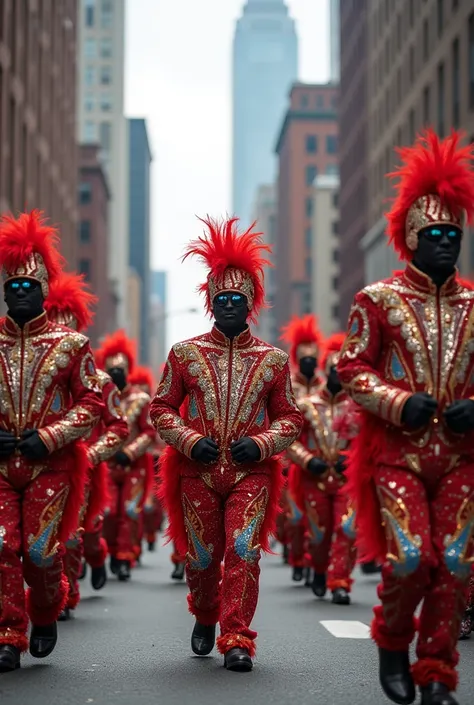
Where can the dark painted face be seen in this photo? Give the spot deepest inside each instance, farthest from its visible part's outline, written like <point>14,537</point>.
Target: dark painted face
<point>308,366</point>
<point>333,384</point>
<point>230,310</point>
<point>118,376</point>
<point>438,249</point>
<point>24,299</point>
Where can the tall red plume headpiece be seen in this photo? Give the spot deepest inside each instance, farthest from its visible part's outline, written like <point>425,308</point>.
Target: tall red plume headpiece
<point>29,249</point>
<point>235,261</point>
<point>117,350</point>
<point>435,186</point>
<point>143,377</point>
<point>70,301</point>
<point>303,336</point>
<point>332,349</point>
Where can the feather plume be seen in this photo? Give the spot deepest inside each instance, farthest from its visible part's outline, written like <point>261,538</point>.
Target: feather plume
<point>70,296</point>
<point>301,331</point>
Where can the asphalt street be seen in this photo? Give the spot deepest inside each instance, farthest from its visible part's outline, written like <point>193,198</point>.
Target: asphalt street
<point>129,645</point>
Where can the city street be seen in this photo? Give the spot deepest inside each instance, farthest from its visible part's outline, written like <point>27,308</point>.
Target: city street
<point>129,645</point>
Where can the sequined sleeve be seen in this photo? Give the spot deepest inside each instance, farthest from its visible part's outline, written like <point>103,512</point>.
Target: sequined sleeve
<point>358,364</point>
<point>116,427</point>
<point>285,418</point>
<point>146,435</point>
<point>165,407</point>
<point>87,405</point>
<point>299,454</point>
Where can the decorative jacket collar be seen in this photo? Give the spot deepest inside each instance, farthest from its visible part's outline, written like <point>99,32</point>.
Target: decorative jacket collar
<point>36,326</point>
<point>421,281</point>
<point>243,340</point>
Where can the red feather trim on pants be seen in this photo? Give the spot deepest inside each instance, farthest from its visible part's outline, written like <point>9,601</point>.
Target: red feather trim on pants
<point>75,500</point>
<point>99,497</point>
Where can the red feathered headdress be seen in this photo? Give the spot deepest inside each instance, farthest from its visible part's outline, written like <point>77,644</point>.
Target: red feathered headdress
<point>235,262</point>
<point>143,377</point>
<point>435,186</point>
<point>117,350</point>
<point>303,336</point>
<point>70,301</point>
<point>29,249</point>
<point>332,348</point>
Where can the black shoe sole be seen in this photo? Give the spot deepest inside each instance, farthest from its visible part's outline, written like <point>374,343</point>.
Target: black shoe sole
<point>43,654</point>
<point>239,666</point>
<point>196,652</point>
<point>9,669</point>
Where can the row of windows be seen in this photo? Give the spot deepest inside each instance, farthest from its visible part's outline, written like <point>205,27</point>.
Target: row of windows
<point>103,102</point>
<point>98,133</point>
<point>322,101</point>
<point>85,232</point>
<point>104,77</point>
<point>85,268</point>
<point>312,172</point>
<point>312,144</point>
<point>106,13</point>
<point>94,48</point>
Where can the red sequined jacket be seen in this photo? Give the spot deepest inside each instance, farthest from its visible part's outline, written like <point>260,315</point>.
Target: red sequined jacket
<point>48,381</point>
<point>112,431</point>
<point>235,388</point>
<point>135,405</point>
<point>302,387</point>
<point>405,336</point>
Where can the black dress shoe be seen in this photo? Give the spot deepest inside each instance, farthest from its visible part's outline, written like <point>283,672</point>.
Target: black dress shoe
<point>114,564</point>
<point>123,571</point>
<point>370,568</point>
<point>98,577</point>
<point>151,546</point>
<point>298,574</point>
<point>437,694</point>
<point>395,676</point>
<point>9,658</point>
<point>340,596</point>
<point>203,639</point>
<point>83,571</point>
<point>319,584</point>
<point>65,615</point>
<point>238,660</point>
<point>178,572</point>
<point>308,578</point>
<point>43,640</point>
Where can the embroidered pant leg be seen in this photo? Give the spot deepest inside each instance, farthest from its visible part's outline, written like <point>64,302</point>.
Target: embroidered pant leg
<point>245,509</point>
<point>13,617</point>
<point>44,501</point>
<point>282,519</point>
<point>319,515</point>
<point>72,561</point>
<point>295,532</point>
<point>343,552</point>
<point>129,518</point>
<point>204,520</point>
<point>410,556</point>
<point>452,520</point>
<point>150,523</point>
<point>112,515</point>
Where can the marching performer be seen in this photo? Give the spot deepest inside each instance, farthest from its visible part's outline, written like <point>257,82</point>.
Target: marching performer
<point>50,400</point>
<point>69,303</point>
<point>221,481</point>
<point>408,360</point>
<point>129,475</point>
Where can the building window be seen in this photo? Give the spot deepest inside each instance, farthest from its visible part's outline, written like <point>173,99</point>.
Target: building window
<point>335,283</point>
<point>90,7</point>
<point>320,102</point>
<point>90,48</point>
<point>106,15</point>
<point>90,131</point>
<point>105,75</point>
<point>105,136</point>
<point>332,169</point>
<point>335,312</point>
<point>471,60</point>
<point>334,101</point>
<point>309,267</point>
<point>85,193</point>
<point>304,102</point>
<point>335,228</point>
<point>89,102</point>
<point>85,268</point>
<point>426,105</point>
<point>441,100</point>
<point>335,256</point>
<point>335,200</point>
<point>456,84</point>
<point>331,144</point>
<point>311,144</point>
<point>106,102</point>
<point>426,40</point>
<point>85,232</point>
<point>440,14</point>
<point>89,76</point>
<point>106,48</point>
<point>308,238</point>
<point>309,207</point>
<point>311,174</point>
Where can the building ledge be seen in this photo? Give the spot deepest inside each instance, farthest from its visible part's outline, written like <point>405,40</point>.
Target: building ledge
<point>291,115</point>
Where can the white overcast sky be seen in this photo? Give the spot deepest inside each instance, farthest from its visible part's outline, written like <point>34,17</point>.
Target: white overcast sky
<point>178,77</point>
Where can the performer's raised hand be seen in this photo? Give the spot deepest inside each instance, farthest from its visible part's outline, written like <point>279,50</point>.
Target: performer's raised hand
<point>245,450</point>
<point>316,466</point>
<point>122,459</point>
<point>8,443</point>
<point>205,451</point>
<point>419,409</point>
<point>459,416</point>
<point>31,445</point>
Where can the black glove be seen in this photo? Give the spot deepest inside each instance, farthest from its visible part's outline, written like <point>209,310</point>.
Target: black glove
<point>341,466</point>
<point>31,446</point>
<point>245,450</point>
<point>459,416</point>
<point>122,459</point>
<point>8,444</point>
<point>205,451</point>
<point>316,466</point>
<point>419,410</point>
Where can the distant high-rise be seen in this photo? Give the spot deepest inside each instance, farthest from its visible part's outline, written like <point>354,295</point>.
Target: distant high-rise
<point>265,65</point>
<point>334,41</point>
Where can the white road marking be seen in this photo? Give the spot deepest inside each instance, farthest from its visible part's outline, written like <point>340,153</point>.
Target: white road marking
<point>345,629</point>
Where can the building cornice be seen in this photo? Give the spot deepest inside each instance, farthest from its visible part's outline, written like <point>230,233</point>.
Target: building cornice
<point>299,116</point>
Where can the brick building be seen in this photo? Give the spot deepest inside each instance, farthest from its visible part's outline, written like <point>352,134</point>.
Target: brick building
<point>38,154</point>
<point>307,146</point>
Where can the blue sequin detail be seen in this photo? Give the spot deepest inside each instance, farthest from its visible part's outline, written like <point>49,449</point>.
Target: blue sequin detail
<point>454,552</point>
<point>409,553</point>
<point>260,420</point>
<point>243,544</point>
<point>316,533</point>
<point>90,367</point>
<point>296,514</point>
<point>348,525</point>
<point>396,367</point>
<point>354,327</point>
<point>56,404</point>
<point>202,558</point>
<point>39,547</point>
<point>132,509</point>
<point>193,410</point>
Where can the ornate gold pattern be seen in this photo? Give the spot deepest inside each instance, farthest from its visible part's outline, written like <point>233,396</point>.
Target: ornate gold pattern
<point>34,268</point>
<point>426,211</point>
<point>232,280</point>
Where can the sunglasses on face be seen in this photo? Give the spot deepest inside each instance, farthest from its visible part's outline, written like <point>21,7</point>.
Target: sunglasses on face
<point>454,234</point>
<point>236,300</point>
<point>25,284</point>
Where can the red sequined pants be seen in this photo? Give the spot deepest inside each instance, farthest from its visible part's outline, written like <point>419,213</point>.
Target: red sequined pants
<point>122,521</point>
<point>295,531</point>
<point>30,517</point>
<point>429,548</point>
<point>152,520</point>
<point>225,528</point>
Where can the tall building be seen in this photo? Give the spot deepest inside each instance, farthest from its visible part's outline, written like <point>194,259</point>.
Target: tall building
<point>139,223</point>
<point>92,254</point>
<point>264,212</point>
<point>353,148</point>
<point>307,146</point>
<point>334,41</point>
<point>101,120</point>
<point>38,152</point>
<point>421,73</point>
<point>326,270</point>
<point>265,64</point>
<point>158,346</point>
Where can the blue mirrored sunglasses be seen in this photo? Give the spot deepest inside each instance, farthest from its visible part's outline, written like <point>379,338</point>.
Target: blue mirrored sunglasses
<point>235,299</point>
